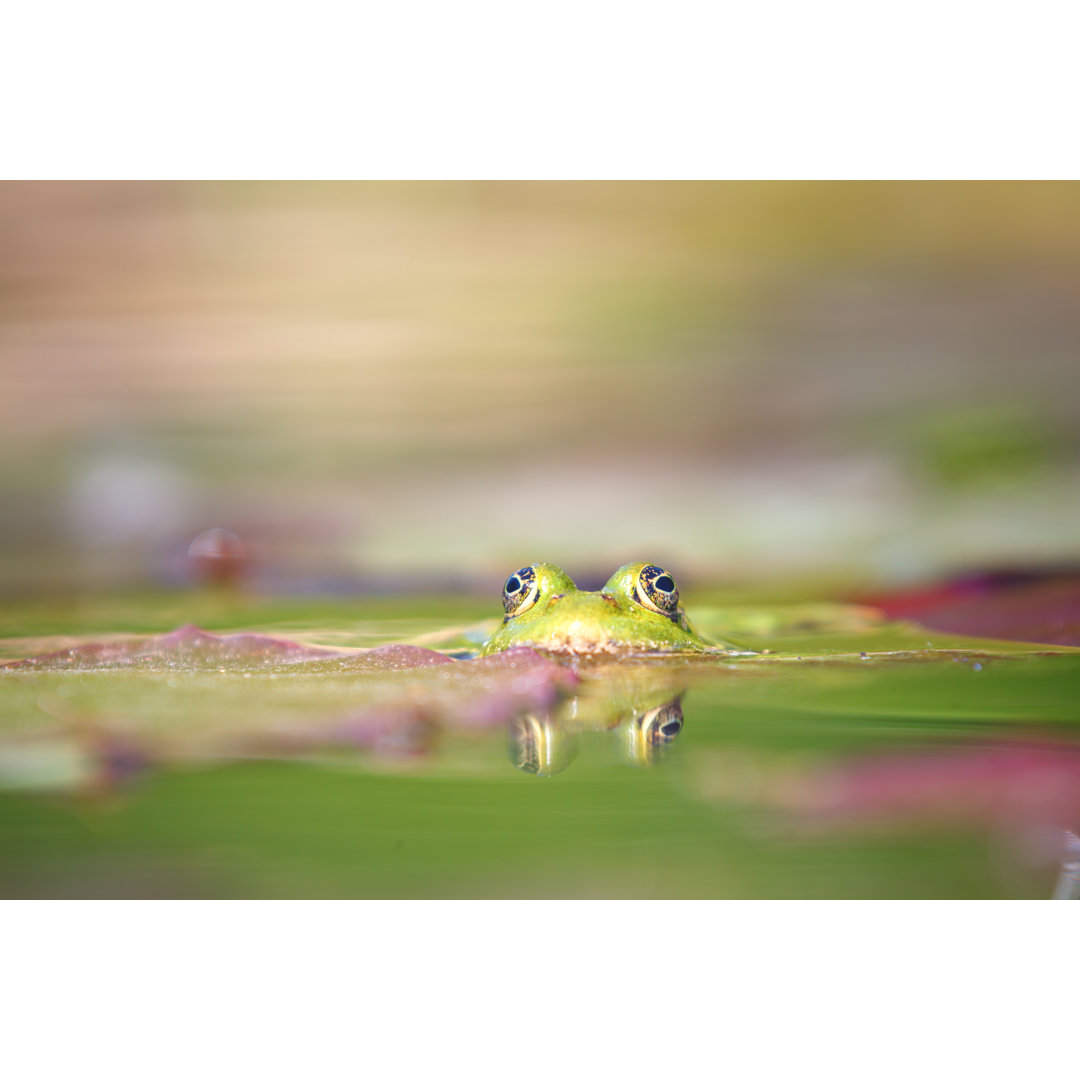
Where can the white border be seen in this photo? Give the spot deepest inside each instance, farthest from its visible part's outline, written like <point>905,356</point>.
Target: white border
<point>585,89</point>
<point>743,989</point>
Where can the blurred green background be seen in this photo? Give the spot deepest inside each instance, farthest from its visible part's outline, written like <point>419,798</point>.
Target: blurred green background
<point>416,386</point>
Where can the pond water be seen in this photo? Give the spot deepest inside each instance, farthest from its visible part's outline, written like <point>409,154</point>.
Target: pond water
<point>850,757</point>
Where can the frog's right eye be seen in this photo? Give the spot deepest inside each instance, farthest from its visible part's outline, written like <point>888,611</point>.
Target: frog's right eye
<point>656,589</point>
<point>520,590</point>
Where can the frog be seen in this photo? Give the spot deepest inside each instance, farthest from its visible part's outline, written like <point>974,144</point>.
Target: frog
<point>637,611</point>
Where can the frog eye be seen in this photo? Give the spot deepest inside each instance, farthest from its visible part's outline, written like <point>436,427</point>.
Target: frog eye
<point>656,589</point>
<point>519,592</point>
<point>662,725</point>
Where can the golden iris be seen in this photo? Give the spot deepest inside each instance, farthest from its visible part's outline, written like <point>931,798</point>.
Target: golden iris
<point>520,590</point>
<point>656,589</point>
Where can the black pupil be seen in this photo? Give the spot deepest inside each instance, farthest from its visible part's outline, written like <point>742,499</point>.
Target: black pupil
<point>665,584</point>
<point>672,727</point>
<point>513,585</point>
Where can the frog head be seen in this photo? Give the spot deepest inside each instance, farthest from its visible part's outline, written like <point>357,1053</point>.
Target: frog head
<point>636,611</point>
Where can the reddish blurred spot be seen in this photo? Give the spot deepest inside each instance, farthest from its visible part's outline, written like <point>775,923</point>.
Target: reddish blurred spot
<point>217,557</point>
<point>1006,785</point>
<point>1010,606</point>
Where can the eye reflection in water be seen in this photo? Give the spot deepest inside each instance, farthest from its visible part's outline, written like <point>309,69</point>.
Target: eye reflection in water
<point>541,745</point>
<point>651,733</point>
<point>545,745</point>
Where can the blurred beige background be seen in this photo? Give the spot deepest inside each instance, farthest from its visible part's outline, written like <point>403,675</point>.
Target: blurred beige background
<point>384,385</point>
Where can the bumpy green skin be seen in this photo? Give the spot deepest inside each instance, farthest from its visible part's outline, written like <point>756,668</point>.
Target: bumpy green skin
<point>568,621</point>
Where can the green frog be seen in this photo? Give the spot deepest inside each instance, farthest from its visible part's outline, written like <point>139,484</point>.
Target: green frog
<point>637,611</point>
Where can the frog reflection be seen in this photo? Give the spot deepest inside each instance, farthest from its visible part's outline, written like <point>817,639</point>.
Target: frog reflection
<point>545,745</point>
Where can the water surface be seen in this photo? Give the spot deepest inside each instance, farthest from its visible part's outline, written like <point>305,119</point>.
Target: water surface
<point>850,760</point>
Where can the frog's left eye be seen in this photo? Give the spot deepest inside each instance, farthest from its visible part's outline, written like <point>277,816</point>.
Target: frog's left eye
<point>519,592</point>
<point>656,589</point>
